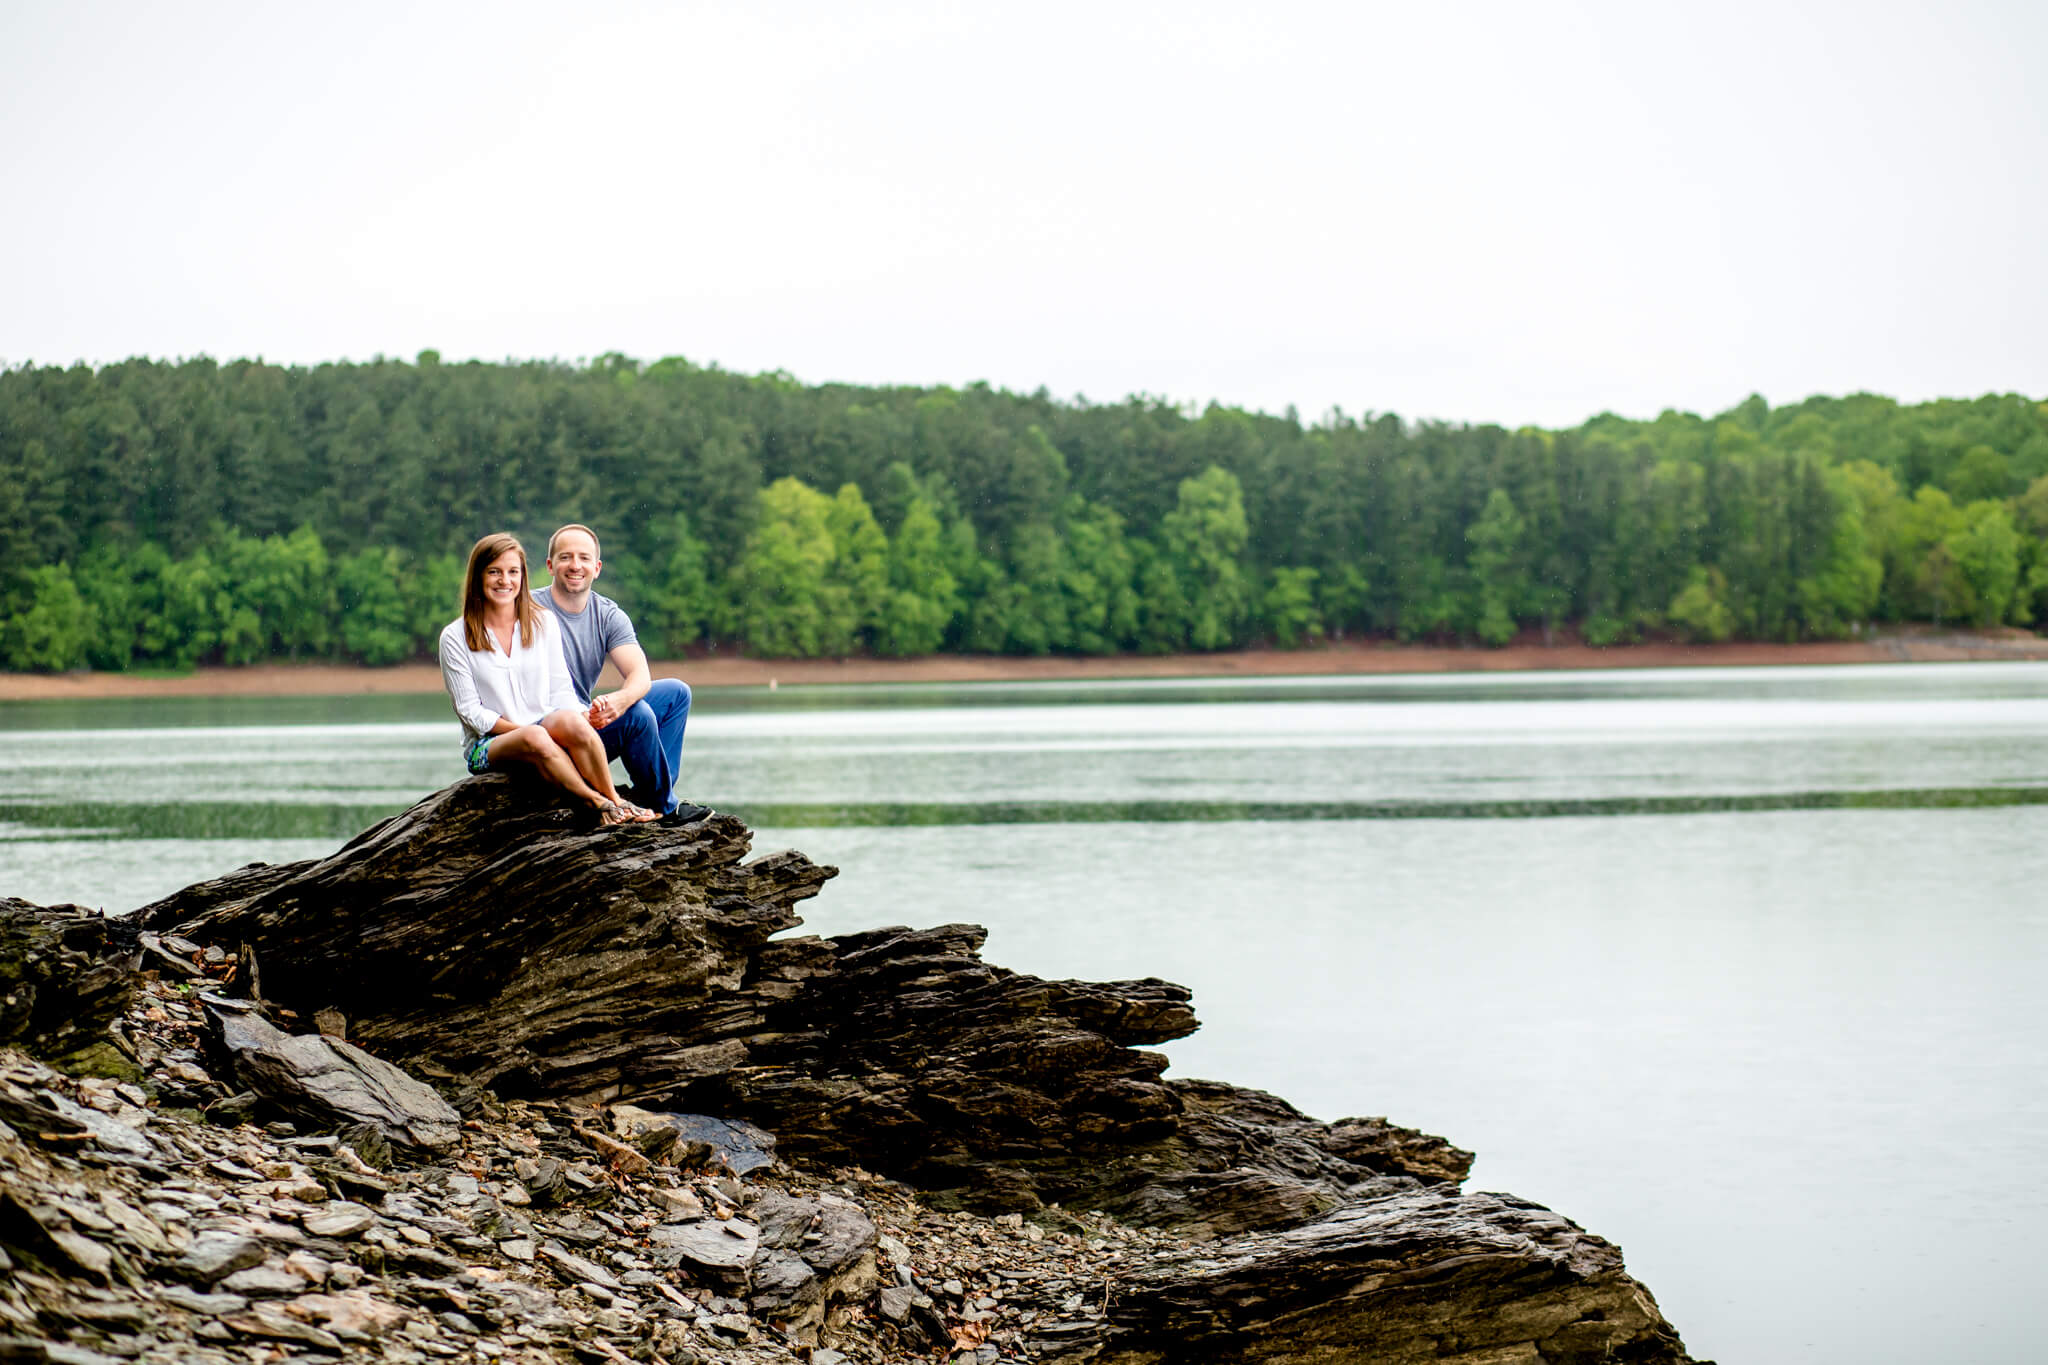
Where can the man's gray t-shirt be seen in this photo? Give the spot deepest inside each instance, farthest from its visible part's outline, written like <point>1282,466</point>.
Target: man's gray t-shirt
<point>589,638</point>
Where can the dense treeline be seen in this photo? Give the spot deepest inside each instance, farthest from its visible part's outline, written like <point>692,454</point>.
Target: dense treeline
<point>161,515</point>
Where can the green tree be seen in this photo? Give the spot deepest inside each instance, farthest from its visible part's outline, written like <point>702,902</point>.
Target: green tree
<point>1101,600</point>
<point>1616,515</point>
<point>1701,608</point>
<point>1433,598</point>
<point>922,596</point>
<point>1844,587</point>
<point>431,589</point>
<point>283,583</point>
<point>106,577</point>
<point>1202,539</point>
<point>1499,567</point>
<point>1342,594</point>
<point>1986,552</point>
<point>1980,475</point>
<point>375,625</point>
<point>1289,608</point>
<point>1882,513</point>
<point>50,630</point>
<point>1164,609</point>
<point>1033,605</point>
<point>32,501</point>
<point>676,602</point>
<point>857,579</point>
<point>1928,529</point>
<point>2030,516</point>
<point>189,612</point>
<point>785,604</point>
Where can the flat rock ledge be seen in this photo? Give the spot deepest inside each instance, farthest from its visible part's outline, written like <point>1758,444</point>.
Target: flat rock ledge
<point>490,1085</point>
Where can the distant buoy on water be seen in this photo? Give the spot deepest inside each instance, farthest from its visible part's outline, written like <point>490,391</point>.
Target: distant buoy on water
<point>771,684</point>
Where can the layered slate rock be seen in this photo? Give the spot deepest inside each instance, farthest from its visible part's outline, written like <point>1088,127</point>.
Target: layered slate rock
<point>490,936</point>
<point>492,941</point>
<point>492,932</point>
<point>66,976</point>
<point>903,1051</point>
<point>1422,1276</point>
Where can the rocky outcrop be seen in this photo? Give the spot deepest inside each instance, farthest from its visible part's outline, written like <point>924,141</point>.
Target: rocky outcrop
<point>155,1235</point>
<point>1428,1275</point>
<point>903,1051</point>
<point>494,940</point>
<point>66,976</point>
<point>492,933</point>
<point>489,943</point>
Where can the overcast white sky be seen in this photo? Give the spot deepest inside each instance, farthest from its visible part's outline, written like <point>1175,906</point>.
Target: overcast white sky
<point>1515,212</point>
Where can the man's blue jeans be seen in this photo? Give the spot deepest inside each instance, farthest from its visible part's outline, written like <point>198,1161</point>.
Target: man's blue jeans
<point>649,740</point>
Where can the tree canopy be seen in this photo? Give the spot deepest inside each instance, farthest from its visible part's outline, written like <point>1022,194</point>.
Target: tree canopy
<point>159,514</point>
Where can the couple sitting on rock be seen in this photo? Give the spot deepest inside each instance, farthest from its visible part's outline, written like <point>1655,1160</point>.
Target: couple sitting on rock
<point>521,667</point>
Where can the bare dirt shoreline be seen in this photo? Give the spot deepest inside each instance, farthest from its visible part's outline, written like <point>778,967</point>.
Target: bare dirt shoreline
<point>1368,657</point>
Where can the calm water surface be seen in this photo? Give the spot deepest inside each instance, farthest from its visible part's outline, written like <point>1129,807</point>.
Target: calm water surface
<point>1738,968</point>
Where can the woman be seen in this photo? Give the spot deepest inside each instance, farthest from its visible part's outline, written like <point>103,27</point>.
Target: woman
<point>503,666</point>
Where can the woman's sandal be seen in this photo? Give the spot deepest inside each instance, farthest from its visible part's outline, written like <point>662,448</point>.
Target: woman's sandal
<point>613,813</point>
<point>640,814</point>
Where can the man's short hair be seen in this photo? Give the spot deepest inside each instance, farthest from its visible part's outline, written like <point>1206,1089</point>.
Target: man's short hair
<point>573,526</point>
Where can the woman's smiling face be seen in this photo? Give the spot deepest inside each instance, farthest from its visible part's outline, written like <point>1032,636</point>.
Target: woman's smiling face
<point>504,578</point>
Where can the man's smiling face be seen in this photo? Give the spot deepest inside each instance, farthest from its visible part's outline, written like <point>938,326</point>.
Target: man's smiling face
<point>573,562</point>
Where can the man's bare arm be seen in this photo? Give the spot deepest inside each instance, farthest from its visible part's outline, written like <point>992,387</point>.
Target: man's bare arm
<point>631,661</point>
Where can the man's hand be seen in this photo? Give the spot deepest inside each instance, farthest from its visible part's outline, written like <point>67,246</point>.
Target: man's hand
<point>603,711</point>
<point>634,678</point>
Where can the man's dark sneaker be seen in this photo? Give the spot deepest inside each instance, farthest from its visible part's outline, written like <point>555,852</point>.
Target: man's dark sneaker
<point>685,814</point>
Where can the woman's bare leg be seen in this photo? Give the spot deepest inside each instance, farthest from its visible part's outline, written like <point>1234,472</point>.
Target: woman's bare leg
<point>573,733</point>
<point>533,745</point>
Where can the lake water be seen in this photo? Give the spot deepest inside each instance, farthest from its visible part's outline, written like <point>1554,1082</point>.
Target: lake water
<point>1741,969</point>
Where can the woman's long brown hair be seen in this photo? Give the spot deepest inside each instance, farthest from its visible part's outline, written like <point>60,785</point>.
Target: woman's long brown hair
<point>482,555</point>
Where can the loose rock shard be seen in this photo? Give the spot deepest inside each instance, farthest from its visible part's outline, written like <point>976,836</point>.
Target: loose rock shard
<point>340,1221</point>
<point>737,1145</point>
<point>716,1245</point>
<point>329,1082</point>
<point>214,1255</point>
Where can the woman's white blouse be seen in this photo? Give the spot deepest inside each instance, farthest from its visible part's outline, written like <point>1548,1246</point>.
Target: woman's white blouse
<point>522,687</point>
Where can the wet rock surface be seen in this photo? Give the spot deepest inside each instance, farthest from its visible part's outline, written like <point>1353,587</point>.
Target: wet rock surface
<point>66,974</point>
<point>871,1148</point>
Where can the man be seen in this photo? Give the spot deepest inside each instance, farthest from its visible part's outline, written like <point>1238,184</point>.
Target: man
<point>642,723</point>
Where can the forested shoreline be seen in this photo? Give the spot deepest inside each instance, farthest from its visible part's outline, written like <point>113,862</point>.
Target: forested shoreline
<point>162,515</point>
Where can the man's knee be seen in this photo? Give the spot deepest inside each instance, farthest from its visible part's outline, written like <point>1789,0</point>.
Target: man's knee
<point>670,695</point>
